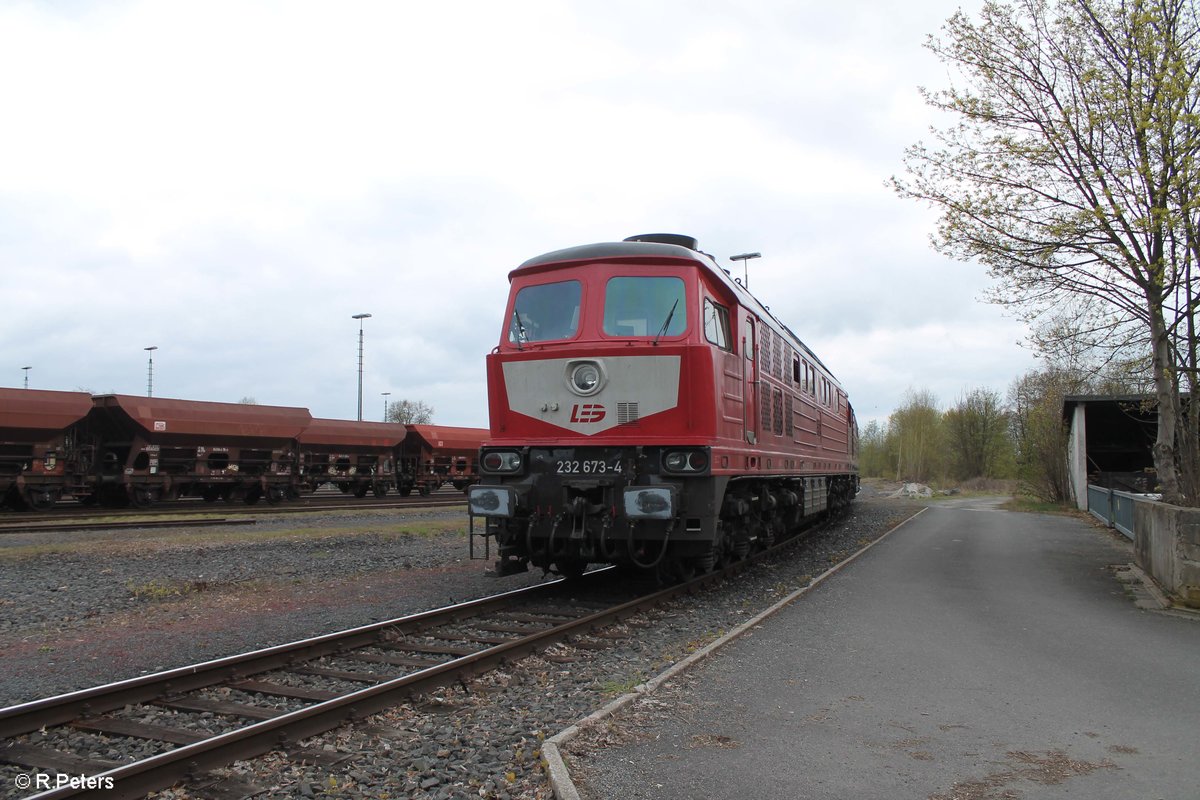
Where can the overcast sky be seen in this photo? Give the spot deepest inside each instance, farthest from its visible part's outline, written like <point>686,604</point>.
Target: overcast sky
<point>231,181</point>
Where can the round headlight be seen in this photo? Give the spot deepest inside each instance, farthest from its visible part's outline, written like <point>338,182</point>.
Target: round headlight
<point>585,378</point>
<point>697,461</point>
<point>493,461</point>
<point>676,462</point>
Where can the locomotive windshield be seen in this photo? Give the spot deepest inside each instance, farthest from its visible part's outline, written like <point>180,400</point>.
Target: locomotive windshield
<point>644,306</point>
<point>546,312</point>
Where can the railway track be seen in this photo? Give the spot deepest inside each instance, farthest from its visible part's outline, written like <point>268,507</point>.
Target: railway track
<point>268,700</point>
<point>199,514</point>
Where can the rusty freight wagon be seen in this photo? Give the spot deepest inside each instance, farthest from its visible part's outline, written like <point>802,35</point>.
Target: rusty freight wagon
<point>40,451</point>
<point>158,448</point>
<point>357,457</point>
<point>434,455</point>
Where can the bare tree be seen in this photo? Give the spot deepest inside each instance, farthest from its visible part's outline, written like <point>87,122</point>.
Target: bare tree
<point>1070,171</point>
<point>410,412</point>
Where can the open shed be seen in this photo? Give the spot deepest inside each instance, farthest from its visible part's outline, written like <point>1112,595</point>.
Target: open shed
<point>1110,442</point>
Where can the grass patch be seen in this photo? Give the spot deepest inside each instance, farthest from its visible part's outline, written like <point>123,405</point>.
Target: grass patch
<point>1033,505</point>
<point>164,590</point>
<point>132,541</point>
<point>613,688</point>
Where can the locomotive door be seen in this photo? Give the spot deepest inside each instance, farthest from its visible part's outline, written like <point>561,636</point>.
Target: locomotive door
<point>749,383</point>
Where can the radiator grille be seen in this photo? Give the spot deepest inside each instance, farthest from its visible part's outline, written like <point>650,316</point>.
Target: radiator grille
<point>627,413</point>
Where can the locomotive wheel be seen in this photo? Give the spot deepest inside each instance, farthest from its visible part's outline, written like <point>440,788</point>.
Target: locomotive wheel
<point>706,563</point>
<point>570,568</point>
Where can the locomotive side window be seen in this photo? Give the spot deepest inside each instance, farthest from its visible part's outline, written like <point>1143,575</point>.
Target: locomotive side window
<point>644,306</point>
<point>546,312</point>
<point>716,324</point>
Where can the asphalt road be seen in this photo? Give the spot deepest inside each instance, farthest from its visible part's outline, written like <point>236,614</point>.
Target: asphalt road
<point>975,654</point>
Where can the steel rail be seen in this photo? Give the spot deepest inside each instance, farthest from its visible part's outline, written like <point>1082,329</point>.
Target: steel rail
<point>64,708</point>
<point>189,761</point>
<point>166,769</point>
<point>51,524</point>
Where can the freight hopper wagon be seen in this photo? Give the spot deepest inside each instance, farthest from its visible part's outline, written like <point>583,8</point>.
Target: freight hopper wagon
<point>156,448</point>
<point>647,410</point>
<point>40,456</point>
<point>434,455</point>
<point>357,457</point>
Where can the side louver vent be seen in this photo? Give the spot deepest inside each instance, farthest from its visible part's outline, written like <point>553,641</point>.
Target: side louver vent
<point>627,413</point>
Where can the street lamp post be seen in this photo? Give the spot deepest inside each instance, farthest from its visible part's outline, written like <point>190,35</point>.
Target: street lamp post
<point>150,371</point>
<point>26,375</point>
<point>360,318</point>
<point>744,257</point>
<point>385,404</point>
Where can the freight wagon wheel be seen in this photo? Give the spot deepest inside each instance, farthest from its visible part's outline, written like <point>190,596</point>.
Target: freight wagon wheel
<point>380,489</point>
<point>252,496</point>
<point>140,497</point>
<point>360,491</point>
<point>211,494</point>
<point>424,490</point>
<point>114,497</point>
<point>40,499</point>
<point>275,495</point>
<point>405,492</point>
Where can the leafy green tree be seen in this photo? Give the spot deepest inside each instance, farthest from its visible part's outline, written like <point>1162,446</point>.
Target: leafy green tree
<point>1040,433</point>
<point>873,450</point>
<point>1070,169</point>
<point>914,439</point>
<point>977,435</point>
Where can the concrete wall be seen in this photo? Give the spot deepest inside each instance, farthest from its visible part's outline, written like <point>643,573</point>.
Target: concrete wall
<point>1077,456</point>
<point>1167,546</point>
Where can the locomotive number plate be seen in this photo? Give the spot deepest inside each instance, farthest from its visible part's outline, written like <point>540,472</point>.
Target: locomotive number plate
<point>587,467</point>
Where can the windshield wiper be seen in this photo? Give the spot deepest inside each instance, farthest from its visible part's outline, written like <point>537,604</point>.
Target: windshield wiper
<point>666,324</point>
<point>521,334</point>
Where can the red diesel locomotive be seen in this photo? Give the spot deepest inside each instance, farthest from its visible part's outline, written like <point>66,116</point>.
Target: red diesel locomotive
<point>647,410</point>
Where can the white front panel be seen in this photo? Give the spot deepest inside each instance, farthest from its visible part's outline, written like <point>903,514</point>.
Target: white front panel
<point>634,387</point>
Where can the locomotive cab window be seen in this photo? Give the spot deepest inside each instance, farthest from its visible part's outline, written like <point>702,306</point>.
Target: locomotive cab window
<point>644,306</point>
<point>546,312</point>
<point>716,324</point>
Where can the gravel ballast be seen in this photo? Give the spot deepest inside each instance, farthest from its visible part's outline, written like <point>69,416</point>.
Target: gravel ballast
<point>482,739</point>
